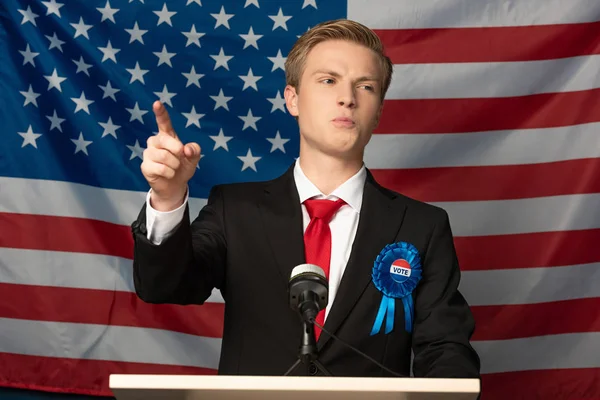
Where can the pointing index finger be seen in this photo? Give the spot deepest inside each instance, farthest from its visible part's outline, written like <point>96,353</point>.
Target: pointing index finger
<point>162,119</point>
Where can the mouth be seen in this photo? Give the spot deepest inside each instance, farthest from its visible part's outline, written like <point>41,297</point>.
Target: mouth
<point>343,122</point>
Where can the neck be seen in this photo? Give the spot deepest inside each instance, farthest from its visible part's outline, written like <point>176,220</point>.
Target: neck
<point>327,173</point>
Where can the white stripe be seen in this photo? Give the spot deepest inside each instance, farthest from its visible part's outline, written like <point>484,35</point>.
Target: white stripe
<point>494,79</point>
<point>403,14</point>
<point>468,218</point>
<point>510,147</point>
<point>573,350</point>
<point>543,214</point>
<point>530,285</point>
<point>480,288</point>
<point>107,342</point>
<point>46,197</point>
<point>72,270</point>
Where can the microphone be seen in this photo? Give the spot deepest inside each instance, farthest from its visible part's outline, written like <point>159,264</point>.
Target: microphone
<point>308,294</point>
<point>308,290</point>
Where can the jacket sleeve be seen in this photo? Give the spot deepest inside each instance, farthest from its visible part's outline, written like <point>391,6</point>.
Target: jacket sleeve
<point>186,266</point>
<point>443,320</point>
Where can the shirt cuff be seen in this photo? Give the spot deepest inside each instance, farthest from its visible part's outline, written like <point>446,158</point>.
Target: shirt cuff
<point>160,224</point>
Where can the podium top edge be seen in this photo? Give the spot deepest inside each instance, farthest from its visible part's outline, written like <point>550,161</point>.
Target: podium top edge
<point>296,383</point>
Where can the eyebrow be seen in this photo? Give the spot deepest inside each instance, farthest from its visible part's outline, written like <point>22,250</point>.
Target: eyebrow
<point>337,75</point>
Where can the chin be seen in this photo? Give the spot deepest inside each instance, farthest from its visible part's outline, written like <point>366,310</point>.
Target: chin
<point>342,151</point>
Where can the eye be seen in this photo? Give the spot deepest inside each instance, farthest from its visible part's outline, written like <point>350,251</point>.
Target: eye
<point>368,87</point>
<point>327,80</point>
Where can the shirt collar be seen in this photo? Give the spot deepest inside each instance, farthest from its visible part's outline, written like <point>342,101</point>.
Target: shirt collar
<point>350,191</point>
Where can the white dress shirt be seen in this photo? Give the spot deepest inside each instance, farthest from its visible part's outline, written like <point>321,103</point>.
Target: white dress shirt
<point>343,224</point>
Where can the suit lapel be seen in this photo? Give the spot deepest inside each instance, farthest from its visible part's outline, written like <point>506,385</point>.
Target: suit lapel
<point>380,220</point>
<point>282,217</point>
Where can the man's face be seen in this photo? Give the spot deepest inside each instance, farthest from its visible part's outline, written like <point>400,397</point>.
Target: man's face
<point>338,102</point>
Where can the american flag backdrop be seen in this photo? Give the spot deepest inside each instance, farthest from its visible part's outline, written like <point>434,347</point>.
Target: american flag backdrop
<point>493,114</point>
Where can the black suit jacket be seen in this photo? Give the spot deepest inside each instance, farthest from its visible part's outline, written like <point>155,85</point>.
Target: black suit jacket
<point>247,240</point>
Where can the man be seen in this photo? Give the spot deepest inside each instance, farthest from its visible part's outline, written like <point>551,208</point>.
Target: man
<point>250,236</point>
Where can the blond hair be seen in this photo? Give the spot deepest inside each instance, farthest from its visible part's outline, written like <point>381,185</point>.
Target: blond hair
<point>340,29</point>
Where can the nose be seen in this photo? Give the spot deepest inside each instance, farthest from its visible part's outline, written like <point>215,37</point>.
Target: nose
<point>346,96</point>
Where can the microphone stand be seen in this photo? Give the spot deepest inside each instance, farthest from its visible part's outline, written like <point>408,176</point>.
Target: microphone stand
<point>308,351</point>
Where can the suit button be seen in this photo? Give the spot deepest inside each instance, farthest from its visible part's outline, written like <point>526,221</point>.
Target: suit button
<point>312,369</point>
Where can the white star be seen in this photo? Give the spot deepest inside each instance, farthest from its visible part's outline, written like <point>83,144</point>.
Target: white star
<point>137,74</point>
<point>54,80</point>
<point>109,52</point>
<point>107,12</point>
<point>277,143</point>
<point>28,56</point>
<point>53,7</point>
<point>81,144</point>
<point>164,57</point>
<point>249,2</point>
<point>29,137</point>
<point>81,29</point>
<point>193,118</point>
<point>192,77</point>
<point>136,151</point>
<point>82,66</point>
<point>221,140</point>
<point>307,29</point>
<point>193,36</point>
<point>249,160</point>
<point>165,97</point>
<point>198,165</point>
<point>250,80</point>
<point>309,3</point>
<point>136,113</point>
<point>249,120</point>
<point>164,15</point>
<point>278,61</point>
<point>278,102</point>
<point>55,121</point>
<point>222,18</point>
<point>136,34</point>
<point>82,103</point>
<point>251,39</point>
<point>28,16</point>
<point>109,91</point>
<point>280,20</point>
<point>222,60</point>
<point>193,1</point>
<point>30,96</point>
<point>109,128</point>
<point>221,100</point>
<point>55,42</point>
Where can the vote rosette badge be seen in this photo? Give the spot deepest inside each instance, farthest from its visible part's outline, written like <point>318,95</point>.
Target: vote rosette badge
<point>396,273</point>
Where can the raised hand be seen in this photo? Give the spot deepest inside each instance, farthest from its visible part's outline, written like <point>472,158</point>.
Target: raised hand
<point>168,164</point>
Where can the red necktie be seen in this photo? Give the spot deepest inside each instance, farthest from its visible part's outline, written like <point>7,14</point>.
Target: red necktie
<point>317,239</point>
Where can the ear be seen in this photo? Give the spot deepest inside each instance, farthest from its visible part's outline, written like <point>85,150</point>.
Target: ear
<point>378,116</point>
<point>291,100</point>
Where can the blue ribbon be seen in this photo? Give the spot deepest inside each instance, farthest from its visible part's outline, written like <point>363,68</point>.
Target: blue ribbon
<point>393,287</point>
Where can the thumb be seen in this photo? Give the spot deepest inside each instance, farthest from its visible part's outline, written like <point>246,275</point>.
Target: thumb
<point>192,152</point>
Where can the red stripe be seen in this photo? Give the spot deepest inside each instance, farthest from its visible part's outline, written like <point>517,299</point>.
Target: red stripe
<point>542,249</point>
<point>528,320</point>
<point>491,44</point>
<point>106,307</point>
<point>41,232</point>
<point>487,114</point>
<point>67,375</point>
<point>563,384</point>
<point>498,182</point>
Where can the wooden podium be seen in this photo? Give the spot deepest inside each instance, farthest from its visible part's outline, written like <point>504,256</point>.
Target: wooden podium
<point>222,387</point>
